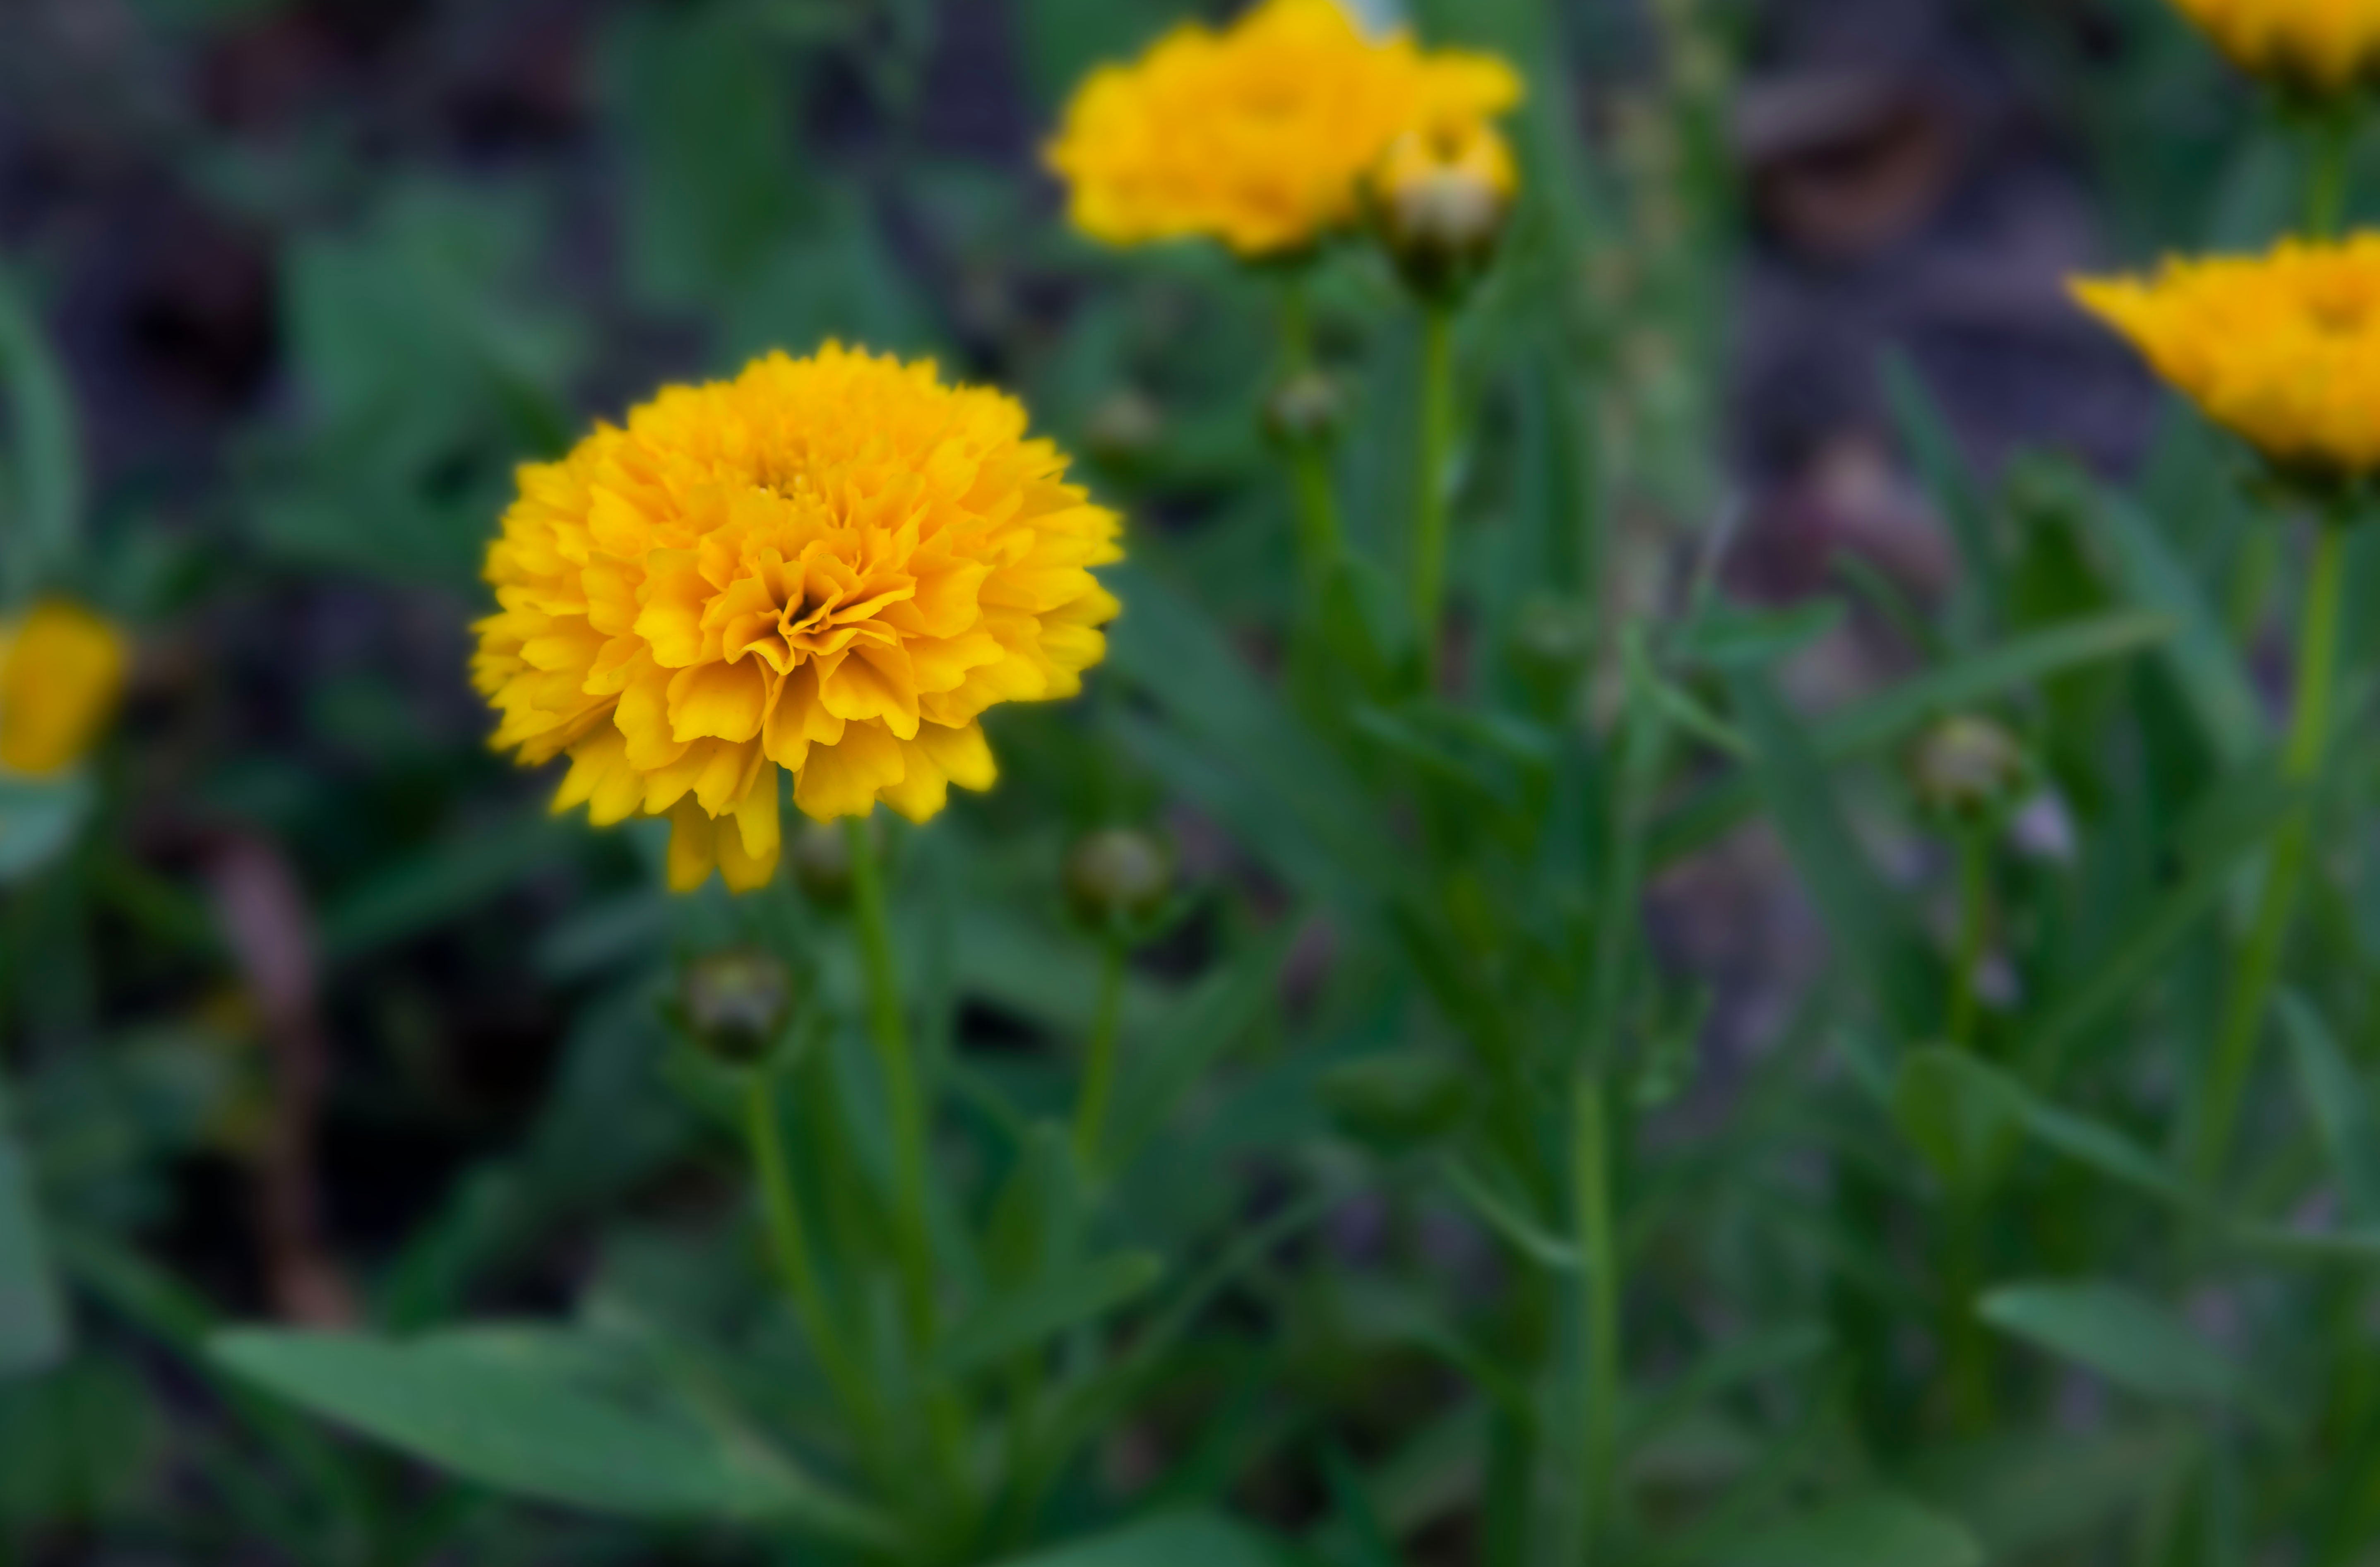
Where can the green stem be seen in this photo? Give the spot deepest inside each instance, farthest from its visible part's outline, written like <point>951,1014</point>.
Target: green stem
<point>2260,958</point>
<point>1431,503</point>
<point>1099,1065</point>
<point>2334,158</point>
<point>1320,537</point>
<point>1974,927</point>
<point>789,1244</point>
<point>1599,1358</point>
<point>905,1102</point>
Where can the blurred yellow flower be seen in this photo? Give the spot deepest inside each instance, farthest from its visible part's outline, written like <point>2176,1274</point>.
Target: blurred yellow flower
<point>827,566</point>
<point>61,673</point>
<point>2320,45</point>
<point>2284,349</point>
<point>1261,135</point>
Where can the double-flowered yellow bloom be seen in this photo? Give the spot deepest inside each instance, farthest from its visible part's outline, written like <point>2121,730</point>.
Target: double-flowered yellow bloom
<point>2283,349</point>
<point>827,567</point>
<point>61,673</point>
<point>2321,46</point>
<point>1260,136</point>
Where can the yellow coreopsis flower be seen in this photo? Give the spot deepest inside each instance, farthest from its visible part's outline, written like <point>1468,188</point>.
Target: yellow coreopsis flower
<point>2283,349</point>
<point>2316,45</point>
<point>1443,195</point>
<point>61,673</point>
<point>827,566</point>
<point>1259,136</point>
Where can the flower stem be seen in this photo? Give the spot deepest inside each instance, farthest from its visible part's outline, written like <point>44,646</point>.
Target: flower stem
<point>1599,1358</point>
<point>1431,503</point>
<point>913,1236</point>
<point>789,1244</point>
<point>2334,157</point>
<point>1320,538</point>
<point>1975,926</point>
<point>2260,959</point>
<point>1099,1068</point>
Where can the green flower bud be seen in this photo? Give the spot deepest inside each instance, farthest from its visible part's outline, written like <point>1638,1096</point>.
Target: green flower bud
<point>1305,410</point>
<point>1124,429</point>
<point>736,1003</point>
<point>821,858</point>
<point>1968,767</point>
<point>1116,876</point>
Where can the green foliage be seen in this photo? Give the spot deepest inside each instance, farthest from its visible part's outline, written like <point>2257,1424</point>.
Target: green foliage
<point>1480,1179</point>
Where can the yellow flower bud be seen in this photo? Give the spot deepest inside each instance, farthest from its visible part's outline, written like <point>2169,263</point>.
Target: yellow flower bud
<point>736,1003</point>
<point>1443,195</point>
<point>1968,767</point>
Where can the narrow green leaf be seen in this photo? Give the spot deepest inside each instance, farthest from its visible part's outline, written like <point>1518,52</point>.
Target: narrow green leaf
<point>1882,1530</point>
<point>1879,722</point>
<point>1011,1324</point>
<point>452,880</point>
<point>1510,1218</point>
<point>1163,1068</point>
<point>1988,1100</point>
<point>39,524</point>
<point>2200,652</point>
<point>534,1425</point>
<point>1189,1539</point>
<point>1981,598</point>
<point>2112,1331</point>
<point>1962,1120</point>
<point>32,1312</point>
<point>1733,637</point>
<point>1869,927</point>
<point>2339,1102</point>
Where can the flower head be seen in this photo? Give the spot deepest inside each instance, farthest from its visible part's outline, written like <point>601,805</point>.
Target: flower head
<point>1443,194</point>
<point>61,675</point>
<point>2314,45</point>
<point>2283,349</point>
<point>1261,135</point>
<point>826,566</point>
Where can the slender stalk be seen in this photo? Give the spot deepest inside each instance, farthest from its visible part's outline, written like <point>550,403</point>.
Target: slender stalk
<point>2334,157</point>
<point>2258,969</point>
<point>1430,501</point>
<point>910,1175</point>
<point>1099,1066</point>
<point>789,1245</point>
<point>1598,1360</point>
<point>1320,537</point>
<point>1974,927</point>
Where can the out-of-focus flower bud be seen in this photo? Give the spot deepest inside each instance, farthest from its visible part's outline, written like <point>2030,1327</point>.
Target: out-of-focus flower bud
<point>1116,876</point>
<point>823,863</point>
<point>1124,429</point>
<point>1968,767</point>
<point>1305,410</point>
<point>1396,1103</point>
<point>736,1002</point>
<point>1443,195</point>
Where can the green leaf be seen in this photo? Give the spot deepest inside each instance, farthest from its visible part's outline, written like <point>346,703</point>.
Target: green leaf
<point>1163,1068</point>
<point>2112,1331</point>
<point>1732,637</point>
<point>2200,652</point>
<point>1981,598</point>
<point>1877,724</point>
<point>1509,1217</point>
<point>1883,1530</point>
<point>536,1424</point>
<point>1246,758</point>
<point>1010,1325</point>
<point>38,820</point>
<point>1190,1539</point>
<point>1959,1122</point>
<point>449,881</point>
<point>32,1312</point>
<point>1872,932</point>
<point>2339,1102</point>
<point>40,525</point>
<point>2024,1492</point>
